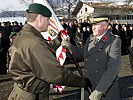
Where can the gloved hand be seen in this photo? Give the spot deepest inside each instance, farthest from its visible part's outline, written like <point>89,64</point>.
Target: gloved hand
<point>95,95</point>
<point>66,43</point>
<point>88,84</point>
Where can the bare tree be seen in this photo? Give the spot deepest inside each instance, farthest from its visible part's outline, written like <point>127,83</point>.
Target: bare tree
<point>70,3</point>
<point>25,2</point>
<point>128,1</point>
<point>64,9</point>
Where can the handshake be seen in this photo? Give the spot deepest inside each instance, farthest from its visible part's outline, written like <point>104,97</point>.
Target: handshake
<point>95,95</point>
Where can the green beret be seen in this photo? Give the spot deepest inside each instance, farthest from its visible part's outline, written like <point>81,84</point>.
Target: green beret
<point>39,9</point>
<point>97,17</point>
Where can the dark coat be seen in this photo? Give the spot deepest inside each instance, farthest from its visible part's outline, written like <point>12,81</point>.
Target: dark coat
<point>34,65</point>
<point>102,63</point>
<point>4,46</point>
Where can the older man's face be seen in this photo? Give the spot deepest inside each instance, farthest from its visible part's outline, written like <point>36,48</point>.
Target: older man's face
<point>99,28</point>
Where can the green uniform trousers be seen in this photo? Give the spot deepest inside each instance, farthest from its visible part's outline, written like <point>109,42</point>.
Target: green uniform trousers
<point>19,94</point>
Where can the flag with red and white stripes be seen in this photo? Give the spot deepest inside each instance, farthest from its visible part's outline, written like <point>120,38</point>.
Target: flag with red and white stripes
<point>53,30</point>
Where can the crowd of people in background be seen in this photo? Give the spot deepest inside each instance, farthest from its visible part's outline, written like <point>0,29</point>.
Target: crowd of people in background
<point>78,33</point>
<point>8,31</point>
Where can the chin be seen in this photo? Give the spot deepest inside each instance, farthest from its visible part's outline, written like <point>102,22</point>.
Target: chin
<point>94,34</point>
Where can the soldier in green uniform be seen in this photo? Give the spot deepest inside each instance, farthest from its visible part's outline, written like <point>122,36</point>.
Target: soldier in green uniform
<point>102,55</point>
<point>33,64</point>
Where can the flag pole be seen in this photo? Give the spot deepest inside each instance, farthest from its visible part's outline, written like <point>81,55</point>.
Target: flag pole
<point>64,36</point>
<point>79,69</point>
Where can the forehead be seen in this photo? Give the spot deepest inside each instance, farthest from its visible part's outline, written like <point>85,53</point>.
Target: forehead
<point>100,23</point>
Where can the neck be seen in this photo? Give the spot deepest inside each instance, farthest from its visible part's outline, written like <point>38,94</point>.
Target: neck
<point>101,34</point>
<point>34,25</point>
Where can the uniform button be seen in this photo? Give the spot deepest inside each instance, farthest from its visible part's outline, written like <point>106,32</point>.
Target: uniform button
<point>96,71</point>
<point>100,49</point>
<point>86,59</point>
<point>96,59</point>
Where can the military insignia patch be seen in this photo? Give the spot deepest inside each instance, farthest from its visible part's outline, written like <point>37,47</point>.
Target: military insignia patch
<point>104,38</point>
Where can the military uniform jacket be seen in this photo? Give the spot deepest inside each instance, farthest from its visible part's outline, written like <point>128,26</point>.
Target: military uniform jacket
<point>34,65</point>
<point>102,62</point>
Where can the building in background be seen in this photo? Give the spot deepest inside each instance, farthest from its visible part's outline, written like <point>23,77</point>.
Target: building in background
<point>123,13</point>
<point>69,9</point>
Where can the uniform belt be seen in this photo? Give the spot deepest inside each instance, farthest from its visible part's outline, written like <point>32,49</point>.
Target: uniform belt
<point>25,93</point>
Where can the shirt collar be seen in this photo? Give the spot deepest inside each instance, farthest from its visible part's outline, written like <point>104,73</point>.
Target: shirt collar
<point>99,37</point>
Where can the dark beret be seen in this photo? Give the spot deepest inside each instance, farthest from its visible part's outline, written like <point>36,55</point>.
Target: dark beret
<point>39,9</point>
<point>97,17</point>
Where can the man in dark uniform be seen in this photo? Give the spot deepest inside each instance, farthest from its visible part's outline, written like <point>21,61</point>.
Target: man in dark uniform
<point>33,64</point>
<point>4,46</point>
<point>101,55</point>
<point>105,60</point>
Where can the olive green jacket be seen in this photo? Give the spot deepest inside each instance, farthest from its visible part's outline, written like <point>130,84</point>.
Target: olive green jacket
<point>34,65</point>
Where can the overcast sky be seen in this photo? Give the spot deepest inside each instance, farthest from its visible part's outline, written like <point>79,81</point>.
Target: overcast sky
<point>11,5</point>
<point>14,4</point>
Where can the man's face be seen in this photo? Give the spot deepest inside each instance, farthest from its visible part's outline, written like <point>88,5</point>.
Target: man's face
<point>84,29</point>
<point>44,23</point>
<point>99,28</point>
<point>116,26</point>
